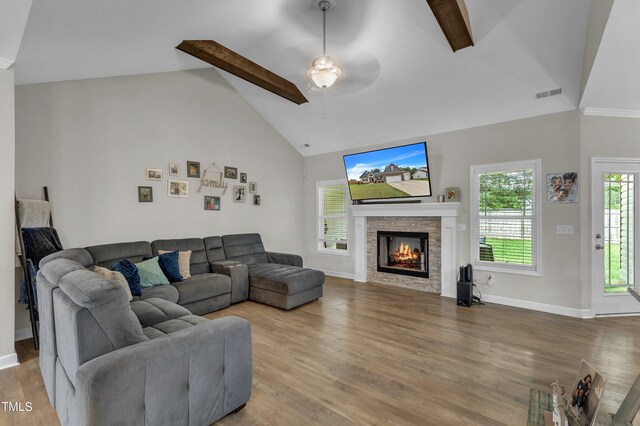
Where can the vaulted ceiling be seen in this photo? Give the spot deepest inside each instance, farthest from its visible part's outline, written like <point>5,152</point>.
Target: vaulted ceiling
<point>401,78</point>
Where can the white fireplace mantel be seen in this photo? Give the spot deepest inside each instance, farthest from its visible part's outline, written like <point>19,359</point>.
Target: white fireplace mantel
<point>448,212</point>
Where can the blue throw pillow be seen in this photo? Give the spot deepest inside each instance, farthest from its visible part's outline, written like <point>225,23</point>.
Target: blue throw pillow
<point>169,264</point>
<point>130,273</point>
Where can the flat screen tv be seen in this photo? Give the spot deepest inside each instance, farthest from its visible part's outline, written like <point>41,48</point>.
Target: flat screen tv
<point>398,172</point>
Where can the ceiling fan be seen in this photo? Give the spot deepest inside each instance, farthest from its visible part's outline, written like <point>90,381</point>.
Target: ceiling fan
<point>451,15</point>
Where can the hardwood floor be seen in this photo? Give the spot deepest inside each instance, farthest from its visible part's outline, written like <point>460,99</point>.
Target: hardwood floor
<point>373,354</point>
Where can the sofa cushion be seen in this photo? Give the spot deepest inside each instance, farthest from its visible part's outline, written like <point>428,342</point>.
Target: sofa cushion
<point>284,279</point>
<point>245,248</point>
<point>154,310</point>
<point>215,250</point>
<point>113,276</point>
<point>166,292</point>
<point>198,263</point>
<point>203,286</point>
<point>130,273</point>
<point>104,255</point>
<point>150,272</point>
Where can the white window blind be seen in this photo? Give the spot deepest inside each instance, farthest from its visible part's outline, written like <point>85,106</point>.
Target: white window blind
<point>505,217</point>
<point>333,217</point>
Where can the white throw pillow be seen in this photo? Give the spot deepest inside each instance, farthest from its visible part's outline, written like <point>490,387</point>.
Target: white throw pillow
<point>115,276</point>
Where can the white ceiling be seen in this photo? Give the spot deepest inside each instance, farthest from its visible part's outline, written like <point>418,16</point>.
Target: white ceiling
<point>401,79</point>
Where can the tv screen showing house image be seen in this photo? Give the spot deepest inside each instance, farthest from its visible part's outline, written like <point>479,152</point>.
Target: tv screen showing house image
<point>398,172</point>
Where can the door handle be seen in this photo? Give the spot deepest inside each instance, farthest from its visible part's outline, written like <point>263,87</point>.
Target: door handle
<point>599,247</point>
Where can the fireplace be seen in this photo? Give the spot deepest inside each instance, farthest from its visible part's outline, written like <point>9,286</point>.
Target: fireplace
<point>404,253</point>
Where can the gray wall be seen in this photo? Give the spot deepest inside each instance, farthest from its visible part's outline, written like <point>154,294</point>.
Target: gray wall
<point>7,217</point>
<point>553,138</point>
<point>90,141</point>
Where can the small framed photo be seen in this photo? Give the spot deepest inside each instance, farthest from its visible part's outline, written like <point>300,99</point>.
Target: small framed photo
<point>239,194</point>
<point>243,178</point>
<point>193,169</point>
<point>452,194</point>
<point>178,188</point>
<point>253,187</point>
<point>145,194</point>
<point>154,174</point>
<point>211,203</point>
<point>174,169</point>
<point>256,200</point>
<point>230,172</point>
<point>562,187</point>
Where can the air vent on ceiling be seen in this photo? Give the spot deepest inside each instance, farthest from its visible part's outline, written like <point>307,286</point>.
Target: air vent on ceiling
<point>548,93</point>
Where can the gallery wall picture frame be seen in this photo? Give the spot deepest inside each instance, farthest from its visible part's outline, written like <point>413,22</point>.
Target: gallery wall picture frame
<point>174,169</point>
<point>145,194</point>
<point>243,178</point>
<point>452,194</point>
<point>211,202</point>
<point>253,187</point>
<point>177,188</point>
<point>193,169</point>
<point>230,172</point>
<point>256,200</point>
<point>153,174</point>
<point>239,194</point>
<point>562,187</point>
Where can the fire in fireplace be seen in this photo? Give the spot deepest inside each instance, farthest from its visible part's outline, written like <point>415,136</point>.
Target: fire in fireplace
<point>405,253</point>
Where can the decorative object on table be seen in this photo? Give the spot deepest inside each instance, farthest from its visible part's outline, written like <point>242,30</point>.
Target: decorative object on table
<point>562,187</point>
<point>586,394</point>
<point>441,198</point>
<point>178,188</point>
<point>256,200</point>
<point>452,194</point>
<point>174,169</point>
<point>253,187</point>
<point>211,203</point>
<point>243,178</point>
<point>193,169</point>
<point>239,194</point>
<point>230,172</point>
<point>629,411</point>
<point>154,174</point>
<point>145,194</point>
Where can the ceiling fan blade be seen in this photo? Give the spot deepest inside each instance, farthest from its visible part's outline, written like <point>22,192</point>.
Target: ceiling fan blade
<point>219,56</point>
<point>453,18</point>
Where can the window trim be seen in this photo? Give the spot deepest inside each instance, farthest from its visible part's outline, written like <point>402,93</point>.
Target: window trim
<point>474,172</point>
<point>319,218</point>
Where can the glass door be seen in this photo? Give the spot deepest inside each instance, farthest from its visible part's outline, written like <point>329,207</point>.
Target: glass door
<point>614,189</point>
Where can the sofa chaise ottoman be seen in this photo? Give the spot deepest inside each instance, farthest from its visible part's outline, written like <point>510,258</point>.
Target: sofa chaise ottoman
<point>276,279</point>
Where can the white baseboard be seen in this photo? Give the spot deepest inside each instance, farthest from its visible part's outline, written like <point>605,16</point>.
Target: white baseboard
<point>24,333</point>
<point>535,306</point>
<point>338,274</point>
<point>8,361</point>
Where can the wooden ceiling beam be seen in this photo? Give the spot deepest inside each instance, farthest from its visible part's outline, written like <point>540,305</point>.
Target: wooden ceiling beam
<point>221,57</point>
<point>453,18</point>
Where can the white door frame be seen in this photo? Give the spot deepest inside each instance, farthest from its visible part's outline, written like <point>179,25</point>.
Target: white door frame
<point>620,303</point>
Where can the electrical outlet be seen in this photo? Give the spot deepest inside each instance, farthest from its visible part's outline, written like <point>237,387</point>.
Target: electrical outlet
<point>491,280</point>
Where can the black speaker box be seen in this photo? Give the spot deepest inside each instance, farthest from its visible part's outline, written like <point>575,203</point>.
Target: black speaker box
<point>465,293</point>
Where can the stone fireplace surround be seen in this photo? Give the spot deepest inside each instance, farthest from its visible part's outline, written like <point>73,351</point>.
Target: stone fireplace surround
<point>445,213</point>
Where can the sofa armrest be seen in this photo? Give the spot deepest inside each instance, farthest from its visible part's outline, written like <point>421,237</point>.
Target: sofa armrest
<point>239,274</point>
<point>284,258</point>
<point>193,376</point>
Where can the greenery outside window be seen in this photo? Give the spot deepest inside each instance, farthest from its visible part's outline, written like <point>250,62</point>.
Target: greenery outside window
<point>505,217</point>
<point>333,217</point>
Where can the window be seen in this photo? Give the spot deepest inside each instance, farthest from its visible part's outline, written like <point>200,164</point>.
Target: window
<point>505,217</point>
<point>333,217</point>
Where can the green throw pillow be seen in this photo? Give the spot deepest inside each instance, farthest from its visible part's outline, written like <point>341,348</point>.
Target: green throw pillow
<point>150,273</point>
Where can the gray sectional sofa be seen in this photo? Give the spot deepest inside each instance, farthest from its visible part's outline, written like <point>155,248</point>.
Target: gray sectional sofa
<point>105,360</point>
